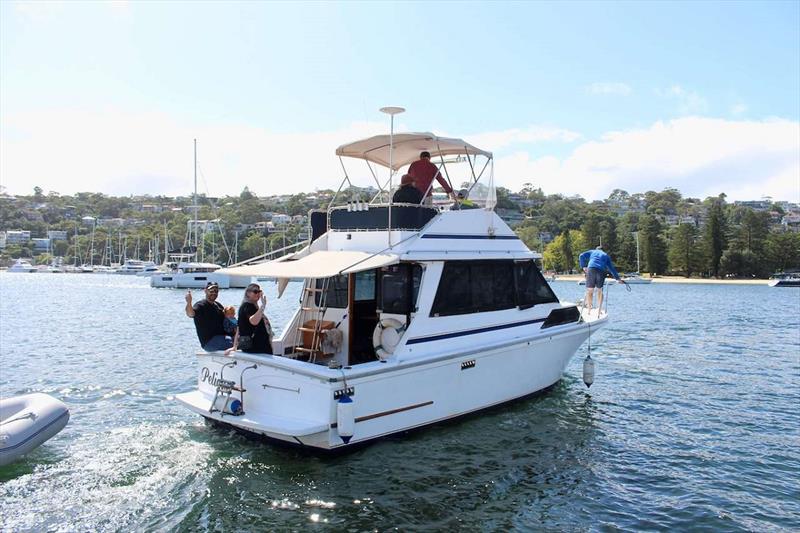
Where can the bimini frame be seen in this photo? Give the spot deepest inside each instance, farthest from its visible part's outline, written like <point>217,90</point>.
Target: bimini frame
<point>395,151</point>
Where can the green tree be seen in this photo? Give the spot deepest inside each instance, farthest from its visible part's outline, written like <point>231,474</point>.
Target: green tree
<point>739,263</point>
<point>251,246</point>
<point>685,251</point>
<point>715,237</point>
<point>753,231</point>
<point>591,230</point>
<point>530,236</point>
<point>651,243</point>
<point>783,251</point>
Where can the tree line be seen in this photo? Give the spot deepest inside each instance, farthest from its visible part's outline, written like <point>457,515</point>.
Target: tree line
<point>714,239</point>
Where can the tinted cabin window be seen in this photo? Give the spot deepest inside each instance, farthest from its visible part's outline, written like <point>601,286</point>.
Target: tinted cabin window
<point>531,288</point>
<point>398,288</point>
<point>365,286</point>
<point>336,295</point>
<point>474,287</point>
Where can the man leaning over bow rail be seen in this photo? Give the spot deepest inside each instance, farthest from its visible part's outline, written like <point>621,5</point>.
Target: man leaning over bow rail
<point>595,263</point>
<point>209,319</point>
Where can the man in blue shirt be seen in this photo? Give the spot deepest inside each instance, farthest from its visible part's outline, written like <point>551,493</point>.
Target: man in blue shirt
<point>595,263</point>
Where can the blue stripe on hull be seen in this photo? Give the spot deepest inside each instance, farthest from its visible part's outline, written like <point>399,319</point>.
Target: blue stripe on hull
<point>418,340</point>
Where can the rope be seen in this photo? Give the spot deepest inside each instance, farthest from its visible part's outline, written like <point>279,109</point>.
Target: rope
<point>32,416</point>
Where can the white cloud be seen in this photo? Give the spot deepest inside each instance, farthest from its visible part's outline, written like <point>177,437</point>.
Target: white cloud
<point>498,140</point>
<point>698,156</point>
<point>738,109</point>
<point>122,153</point>
<point>617,88</point>
<point>689,102</point>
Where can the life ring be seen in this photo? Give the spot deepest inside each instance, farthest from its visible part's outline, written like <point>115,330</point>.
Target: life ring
<point>386,337</point>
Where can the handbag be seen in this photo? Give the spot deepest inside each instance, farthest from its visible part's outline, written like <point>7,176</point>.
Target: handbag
<point>245,342</point>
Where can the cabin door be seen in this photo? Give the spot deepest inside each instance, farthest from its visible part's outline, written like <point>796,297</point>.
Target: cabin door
<point>363,316</point>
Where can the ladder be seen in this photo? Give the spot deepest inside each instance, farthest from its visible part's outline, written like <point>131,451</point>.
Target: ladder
<point>310,311</point>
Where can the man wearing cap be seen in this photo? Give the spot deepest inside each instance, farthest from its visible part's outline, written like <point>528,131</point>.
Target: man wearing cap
<point>423,172</point>
<point>595,263</point>
<point>408,192</point>
<point>209,317</point>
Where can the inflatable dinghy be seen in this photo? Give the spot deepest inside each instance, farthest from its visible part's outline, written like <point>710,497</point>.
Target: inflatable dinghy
<point>28,421</point>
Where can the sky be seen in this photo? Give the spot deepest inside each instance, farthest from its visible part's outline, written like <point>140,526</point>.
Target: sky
<point>572,97</point>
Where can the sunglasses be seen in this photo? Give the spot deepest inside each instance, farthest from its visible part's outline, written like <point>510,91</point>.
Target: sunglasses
<point>256,291</point>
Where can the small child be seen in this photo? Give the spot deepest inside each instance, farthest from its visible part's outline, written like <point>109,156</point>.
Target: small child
<point>230,325</point>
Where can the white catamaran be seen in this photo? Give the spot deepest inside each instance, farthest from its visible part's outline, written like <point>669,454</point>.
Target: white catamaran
<point>409,315</point>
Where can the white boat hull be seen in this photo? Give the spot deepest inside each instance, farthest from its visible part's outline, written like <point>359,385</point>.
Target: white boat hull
<point>28,421</point>
<point>283,400</point>
<point>184,280</point>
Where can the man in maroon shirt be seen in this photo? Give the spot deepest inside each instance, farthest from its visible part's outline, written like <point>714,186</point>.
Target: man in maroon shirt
<point>423,172</point>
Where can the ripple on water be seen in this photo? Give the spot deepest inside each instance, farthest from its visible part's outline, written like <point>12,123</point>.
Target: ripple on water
<point>119,479</point>
<point>692,424</point>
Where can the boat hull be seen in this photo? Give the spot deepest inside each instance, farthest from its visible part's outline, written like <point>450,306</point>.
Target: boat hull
<point>184,280</point>
<point>283,402</point>
<point>27,422</point>
<point>784,283</point>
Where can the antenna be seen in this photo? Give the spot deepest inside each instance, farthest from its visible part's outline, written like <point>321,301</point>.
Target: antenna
<point>391,111</point>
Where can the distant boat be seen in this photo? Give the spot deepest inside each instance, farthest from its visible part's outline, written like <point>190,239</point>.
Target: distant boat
<point>22,265</point>
<point>191,275</point>
<point>150,269</point>
<point>132,267</point>
<point>634,278</point>
<point>785,279</point>
<point>609,281</point>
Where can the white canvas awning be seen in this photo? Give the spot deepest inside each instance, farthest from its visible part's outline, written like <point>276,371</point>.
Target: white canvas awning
<point>406,148</point>
<point>324,264</point>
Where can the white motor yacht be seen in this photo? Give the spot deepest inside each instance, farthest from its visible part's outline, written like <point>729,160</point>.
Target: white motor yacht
<point>22,265</point>
<point>783,279</point>
<point>150,269</point>
<point>131,267</point>
<point>408,316</point>
<point>190,275</point>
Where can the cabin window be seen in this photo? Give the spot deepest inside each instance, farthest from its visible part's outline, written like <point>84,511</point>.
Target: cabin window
<point>531,288</point>
<point>365,286</point>
<point>474,287</point>
<point>336,295</point>
<point>398,288</point>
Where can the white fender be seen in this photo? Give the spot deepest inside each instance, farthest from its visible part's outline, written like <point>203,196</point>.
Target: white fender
<point>386,336</point>
<point>588,370</point>
<point>345,420</point>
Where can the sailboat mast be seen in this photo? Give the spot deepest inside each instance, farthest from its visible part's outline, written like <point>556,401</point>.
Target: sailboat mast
<point>195,195</point>
<point>636,234</point>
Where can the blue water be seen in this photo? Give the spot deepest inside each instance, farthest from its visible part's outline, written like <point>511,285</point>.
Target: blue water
<point>692,423</point>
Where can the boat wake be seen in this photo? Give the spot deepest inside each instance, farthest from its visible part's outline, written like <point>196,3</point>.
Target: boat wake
<point>127,478</point>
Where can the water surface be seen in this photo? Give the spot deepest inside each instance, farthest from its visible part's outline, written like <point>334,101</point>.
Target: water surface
<point>692,423</point>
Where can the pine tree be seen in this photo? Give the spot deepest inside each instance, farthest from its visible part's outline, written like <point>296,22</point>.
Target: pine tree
<point>685,252</point>
<point>716,234</point>
<point>653,248</point>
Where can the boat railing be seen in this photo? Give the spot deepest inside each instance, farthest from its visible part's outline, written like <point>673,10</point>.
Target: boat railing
<point>272,254</point>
